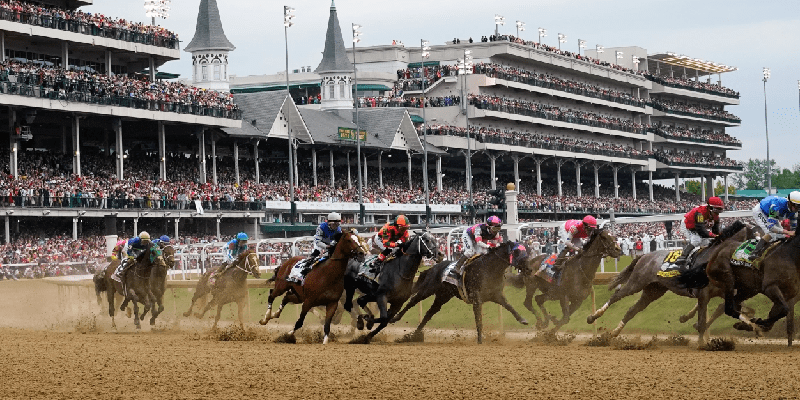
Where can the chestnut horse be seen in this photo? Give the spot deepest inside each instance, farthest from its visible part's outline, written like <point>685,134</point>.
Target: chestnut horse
<point>229,287</point>
<point>323,286</point>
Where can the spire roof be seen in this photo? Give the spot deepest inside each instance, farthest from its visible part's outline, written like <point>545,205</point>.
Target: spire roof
<point>334,57</point>
<point>209,34</point>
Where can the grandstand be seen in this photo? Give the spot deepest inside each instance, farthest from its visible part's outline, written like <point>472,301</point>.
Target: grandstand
<point>106,136</point>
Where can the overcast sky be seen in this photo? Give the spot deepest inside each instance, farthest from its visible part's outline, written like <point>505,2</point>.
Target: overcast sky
<point>746,34</point>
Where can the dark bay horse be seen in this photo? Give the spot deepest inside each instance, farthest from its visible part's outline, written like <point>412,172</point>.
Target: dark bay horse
<point>323,286</point>
<point>158,276</point>
<point>642,275</point>
<point>137,279</point>
<point>483,279</point>
<point>577,276</point>
<point>395,283</point>
<point>104,283</point>
<point>229,287</point>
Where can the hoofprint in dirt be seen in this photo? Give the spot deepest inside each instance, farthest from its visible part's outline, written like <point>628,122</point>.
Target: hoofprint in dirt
<point>190,365</point>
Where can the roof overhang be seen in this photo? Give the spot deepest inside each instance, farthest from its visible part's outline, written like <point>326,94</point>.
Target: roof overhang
<point>701,67</point>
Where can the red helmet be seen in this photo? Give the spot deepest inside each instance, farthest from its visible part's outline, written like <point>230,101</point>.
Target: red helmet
<point>716,203</point>
<point>401,222</point>
<point>590,221</point>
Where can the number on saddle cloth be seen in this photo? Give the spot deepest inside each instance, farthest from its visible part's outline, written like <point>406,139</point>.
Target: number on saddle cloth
<point>668,267</point>
<point>546,271</point>
<point>741,256</point>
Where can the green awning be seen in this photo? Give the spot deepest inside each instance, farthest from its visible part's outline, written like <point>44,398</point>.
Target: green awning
<point>368,87</point>
<point>416,119</point>
<point>272,88</point>
<point>284,227</point>
<point>761,193</point>
<point>161,75</point>
<point>427,64</point>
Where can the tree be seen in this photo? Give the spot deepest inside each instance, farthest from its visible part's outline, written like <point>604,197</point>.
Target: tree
<point>720,189</point>
<point>786,180</point>
<point>754,176</point>
<point>693,187</point>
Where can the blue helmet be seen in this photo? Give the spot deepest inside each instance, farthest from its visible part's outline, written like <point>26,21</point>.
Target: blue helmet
<point>164,239</point>
<point>241,236</point>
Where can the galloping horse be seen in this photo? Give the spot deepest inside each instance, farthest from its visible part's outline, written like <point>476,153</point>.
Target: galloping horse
<point>642,275</point>
<point>323,285</point>
<point>229,287</point>
<point>395,282</point>
<point>483,280</point>
<point>577,276</point>
<point>158,276</point>
<point>104,283</point>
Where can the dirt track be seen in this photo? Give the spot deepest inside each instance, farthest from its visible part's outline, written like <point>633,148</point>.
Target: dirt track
<point>50,359</point>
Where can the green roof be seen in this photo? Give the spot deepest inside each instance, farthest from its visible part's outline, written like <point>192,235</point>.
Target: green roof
<point>272,88</point>
<point>416,119</point>
<point>419,64</point>
<point>372,87</point>
<point>759,193</point>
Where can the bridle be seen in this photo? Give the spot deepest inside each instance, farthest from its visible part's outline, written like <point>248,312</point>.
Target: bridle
<point>352,252</point>
<point>248,268</point>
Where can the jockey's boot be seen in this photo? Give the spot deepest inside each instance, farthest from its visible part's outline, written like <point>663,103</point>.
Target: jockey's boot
<point>460,264</point>
<point>681,261</point>
<point>560,260</point>
<point>759,250</point>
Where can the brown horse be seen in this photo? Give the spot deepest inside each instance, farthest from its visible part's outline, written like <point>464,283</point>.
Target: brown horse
<point>577,276</point>
<point>104,283</point>
<point>229,287</point>
<point>137,279</point>
<point>323,285</point>
<point>642,275</point>
<point>158,276</point>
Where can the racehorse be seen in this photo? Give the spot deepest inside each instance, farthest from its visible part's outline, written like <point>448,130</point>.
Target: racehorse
<point>158,276</point>
<point>776,276</point>
<point>395,283</point>
<point>323,286</point>
<point>577,276</point>
<point>642,275</point>
<point>483,280</point>
<point>104,283</point>
<point>228,287</point>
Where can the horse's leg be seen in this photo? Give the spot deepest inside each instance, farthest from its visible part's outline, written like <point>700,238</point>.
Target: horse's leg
<point>477,309</point>
<point>790,322</point>
<point>110,294</point>
<point>135,301</point>
<point>421,294</point>
<point>650,294</point>
<point>530,290</point>
<point>383,320</point>
<point>208,306</point>
<point>438,301</point>
<point>685,317</point>
<point>780,307</point>
<point>499,298</point>
<point>198,293</point>
<point>349,292</point>
<point>240,311</point>
<point>702,323</point>
<point>219,313</point>
<point>301,318</point>
<point>619,294</point>
<point>546,317</point>
<point>330,311</point>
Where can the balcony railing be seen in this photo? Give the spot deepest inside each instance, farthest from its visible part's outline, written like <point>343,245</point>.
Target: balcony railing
<point>115,203</point>
<point>692,88</point>
<point>668,135</point>
<point>695,115</point>
<point>56,22</point>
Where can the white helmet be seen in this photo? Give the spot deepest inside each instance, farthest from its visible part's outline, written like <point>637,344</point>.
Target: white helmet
<point>146,236</point>
<point>794,197</point>
<point>335,217</point>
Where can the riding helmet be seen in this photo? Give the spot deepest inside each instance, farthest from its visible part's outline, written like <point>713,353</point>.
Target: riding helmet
<point>401,221</point>
<point>334,217</point>
<point>164,239</point>
<point>494,221</point>
<point>716,203</point>
<point>144,235</point>
<point>241,236</point>
<point>794,197</point>
<point>590,221</point>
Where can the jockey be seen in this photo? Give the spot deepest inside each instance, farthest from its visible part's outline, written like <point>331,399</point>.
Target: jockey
<point>478,239</point>
<point>235,248</point>
<point>117,252</point>
<point>768,215</point>
<point>390,238</point>
<point>696,223</point>
<point>571,233</point>
<point>131,250</point>
<point>323,238</point>
<point>162,242</point>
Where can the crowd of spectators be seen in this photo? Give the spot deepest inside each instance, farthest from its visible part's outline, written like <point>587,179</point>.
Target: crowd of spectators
<point>696,135</point>
<point>537,140</point>
<point>86,23</point>
<point>538,110</point>
<point>688,159</point>
<point>701,111</point>
<point>92,87</point>
<point>693,85</point>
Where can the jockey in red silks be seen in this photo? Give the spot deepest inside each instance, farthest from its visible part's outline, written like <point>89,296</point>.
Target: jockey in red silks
<point>571,234</point>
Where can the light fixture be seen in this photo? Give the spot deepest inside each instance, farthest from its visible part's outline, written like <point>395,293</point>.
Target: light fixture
<point>619,55</point>
<point>542,33</point>
<point>82,213</point>
<point>425,48</point>
<point>9,212</point>
<point>288,17</point>
<point>767,74</point>
<point>599,49</point>
<point>562,38</point>
<point>520,27</point>
<point>635,60</point>
<point>167,213</point>
<point>356,33</point>
<point>144,213</point>
<point>247,214</point>
<point>157,8</point>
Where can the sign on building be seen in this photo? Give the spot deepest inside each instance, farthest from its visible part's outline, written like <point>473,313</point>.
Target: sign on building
<point>350,134</point>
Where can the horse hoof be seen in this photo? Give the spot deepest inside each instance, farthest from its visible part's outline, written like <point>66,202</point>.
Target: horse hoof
<point>590,319</point>
<point>360,323</point>
<point>186,314</point>
<point>370,323</point>
<point>523,321</point>
<point>152,322</point>
<point>263,321</point>
<point>683,319</point>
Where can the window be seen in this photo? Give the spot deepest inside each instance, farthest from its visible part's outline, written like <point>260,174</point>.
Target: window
<point>341,91</point>
<point>330,92</point>
<point>205,72</point>
<point>216,72</point>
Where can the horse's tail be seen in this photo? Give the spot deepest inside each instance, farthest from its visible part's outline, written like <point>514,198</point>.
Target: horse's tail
<point>421,279</point>
<point>623,276</point>
<point>274,276</point>
<point>693,278</point>
<point>515,280</point>
<point>99,283</point>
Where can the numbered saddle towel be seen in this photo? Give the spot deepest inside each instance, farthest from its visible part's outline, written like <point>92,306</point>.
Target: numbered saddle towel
<point>546,271</point>
<point>296,274</point>
<point>668,267</point>
<point>453,277</point>
<point>367,269</point>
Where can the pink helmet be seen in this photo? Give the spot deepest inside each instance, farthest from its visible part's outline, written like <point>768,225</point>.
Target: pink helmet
<point>590,221</point>
<point>494,221</point>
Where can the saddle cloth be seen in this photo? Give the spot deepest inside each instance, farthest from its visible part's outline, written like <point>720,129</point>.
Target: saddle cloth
<point>453,277</point>
<point>296,272</point>
<point>546,271</point>
<point>117,275</point>
<point>741,256</point>
<point>668,267</point>
<point>366,270</point>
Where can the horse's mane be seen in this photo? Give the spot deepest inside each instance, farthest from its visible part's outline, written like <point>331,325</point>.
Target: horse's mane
<point>591,240</point>
<point>728,232</point>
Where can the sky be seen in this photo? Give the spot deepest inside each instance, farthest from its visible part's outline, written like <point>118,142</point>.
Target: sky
<point>749,35</point>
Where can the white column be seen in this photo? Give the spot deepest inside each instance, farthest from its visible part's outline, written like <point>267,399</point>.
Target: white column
<point>255,159</point>
<point>2,45</point>
<point>650,179</point>
<point>410,185</point>
<point>725,182</point>
<point>314,164</point>
<point>366,181</point>
<point>578,177</point>
<point>236,161</point>
<point>219,234</point>
<point>492,176</point>
<point>201,152</point>
<point>117,126</point>
<point>380,169</point>
<point>214,160</point>
<point>439,173</point>
<point>349,180</point>
<point>677,187</point>
<point>616,183</point>
<point>633,183</point>
<point>108,63</point>
<point>596,180</point>
<point>152,63</point>
<point>64,54</point>
<point>135,226</point>
<point>75,228</point>
<point>516,172</point>
<point>702,188</point>
<point>8,228</point>
<point>333,181</point>
<point>558,177</point>
<point>710,186</point>
<point>76,145</point>
<point>175,236</point>
<point>538,177</point>
<point>162,152</point>
<point>13,153</point>
<point>466,171</point>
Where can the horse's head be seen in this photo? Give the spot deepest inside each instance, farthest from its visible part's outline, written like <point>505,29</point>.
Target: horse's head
<point>350,245</point>
<point>251,264</point>
<point>733,231</point>
<point>603,244</point>
<point>425,244</point>
<point>168,252</point>
<point>519,256</point>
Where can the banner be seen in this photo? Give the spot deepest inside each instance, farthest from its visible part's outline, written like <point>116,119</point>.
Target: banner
<point>198,206</point>
<point>350,134</point>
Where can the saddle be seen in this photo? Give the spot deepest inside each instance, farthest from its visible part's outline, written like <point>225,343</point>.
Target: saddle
<point>668,267</point>
<point>455,277</point>
<point>546,270</point>
<point>741,256</point>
